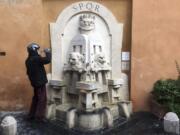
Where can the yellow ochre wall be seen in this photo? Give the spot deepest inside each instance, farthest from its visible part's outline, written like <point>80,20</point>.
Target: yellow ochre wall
<point>151,33</point>
<point>155,46</point>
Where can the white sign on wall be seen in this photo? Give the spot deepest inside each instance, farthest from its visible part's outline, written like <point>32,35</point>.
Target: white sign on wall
<point>125,56</point>
<point>125,65</point>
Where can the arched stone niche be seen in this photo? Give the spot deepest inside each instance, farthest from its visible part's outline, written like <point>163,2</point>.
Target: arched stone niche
<point>66,27</point>
<point>86,42</point>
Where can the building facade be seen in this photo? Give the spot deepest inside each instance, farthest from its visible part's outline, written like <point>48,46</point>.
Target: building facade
<point>150,35</point>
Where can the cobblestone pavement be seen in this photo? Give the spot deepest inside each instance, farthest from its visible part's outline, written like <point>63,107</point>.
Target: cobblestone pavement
<point>141,123</point>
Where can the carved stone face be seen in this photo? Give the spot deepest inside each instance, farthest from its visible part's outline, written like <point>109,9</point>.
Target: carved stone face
<point>87,22</point>
<point>100,58</point>
<point>75,59</point>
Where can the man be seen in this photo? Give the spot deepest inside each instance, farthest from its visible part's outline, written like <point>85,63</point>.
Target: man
<point>37,76</point>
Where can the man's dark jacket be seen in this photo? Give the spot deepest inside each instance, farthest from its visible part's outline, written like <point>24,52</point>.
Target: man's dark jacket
<point>35,68</point>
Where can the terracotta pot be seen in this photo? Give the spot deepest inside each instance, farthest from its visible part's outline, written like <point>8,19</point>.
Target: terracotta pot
<point>158,109</point>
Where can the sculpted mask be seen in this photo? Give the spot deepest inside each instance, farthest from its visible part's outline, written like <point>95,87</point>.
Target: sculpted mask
<point>86,22</point>
<point>76,61</point>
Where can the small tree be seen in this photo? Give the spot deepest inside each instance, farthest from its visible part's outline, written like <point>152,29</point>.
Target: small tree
<point>167,93</point>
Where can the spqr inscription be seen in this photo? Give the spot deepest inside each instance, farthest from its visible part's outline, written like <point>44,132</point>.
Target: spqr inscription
<point>87,6</point>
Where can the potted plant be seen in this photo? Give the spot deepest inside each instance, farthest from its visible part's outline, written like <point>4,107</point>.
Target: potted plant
<point>165,97</point>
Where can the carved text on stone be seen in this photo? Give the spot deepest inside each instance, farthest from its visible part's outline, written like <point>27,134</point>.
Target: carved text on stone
<point>87,6</point>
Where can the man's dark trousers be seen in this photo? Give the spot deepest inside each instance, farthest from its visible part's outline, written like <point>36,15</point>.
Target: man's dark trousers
<point>38,106</point>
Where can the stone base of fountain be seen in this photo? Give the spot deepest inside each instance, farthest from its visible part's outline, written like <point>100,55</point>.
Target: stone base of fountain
<point>90,120</point>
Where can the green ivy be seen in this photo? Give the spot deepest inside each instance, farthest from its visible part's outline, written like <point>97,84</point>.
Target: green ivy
<point>167,93</point>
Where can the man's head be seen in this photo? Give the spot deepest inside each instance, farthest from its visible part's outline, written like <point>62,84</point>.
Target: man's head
<point>33,48</point>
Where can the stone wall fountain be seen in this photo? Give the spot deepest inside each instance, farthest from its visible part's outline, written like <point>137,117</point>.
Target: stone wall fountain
<point>86,87</point>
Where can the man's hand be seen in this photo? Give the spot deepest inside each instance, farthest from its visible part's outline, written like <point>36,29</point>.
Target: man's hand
<point>47,50</point>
